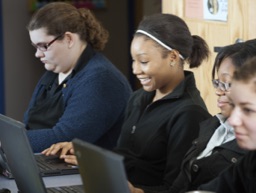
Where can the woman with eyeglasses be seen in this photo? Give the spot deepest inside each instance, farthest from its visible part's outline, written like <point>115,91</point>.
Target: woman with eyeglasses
<point>82,94</point>
<point>215,148</point>
<point>241,177</point>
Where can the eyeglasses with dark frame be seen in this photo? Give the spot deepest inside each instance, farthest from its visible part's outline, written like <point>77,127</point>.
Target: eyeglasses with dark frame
<point>44,46</point>
<point>223,86</point>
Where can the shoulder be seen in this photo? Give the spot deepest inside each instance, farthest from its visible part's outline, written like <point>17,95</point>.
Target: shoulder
<point>100,69</point>
<point>98,63</point>
<point>188,94</point>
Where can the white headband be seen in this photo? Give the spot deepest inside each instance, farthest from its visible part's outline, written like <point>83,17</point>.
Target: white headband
<point>158,41</point>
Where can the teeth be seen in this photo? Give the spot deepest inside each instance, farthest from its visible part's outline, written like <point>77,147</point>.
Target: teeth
<point>144,80</point>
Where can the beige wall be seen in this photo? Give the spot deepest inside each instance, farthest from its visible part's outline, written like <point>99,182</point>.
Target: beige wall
<point>240,24</point>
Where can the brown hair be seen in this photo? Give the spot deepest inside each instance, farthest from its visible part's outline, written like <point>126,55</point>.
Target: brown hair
<point>59,17</point>
<point>247,72</point>
<point>174,32</point>
<point>238,53</point>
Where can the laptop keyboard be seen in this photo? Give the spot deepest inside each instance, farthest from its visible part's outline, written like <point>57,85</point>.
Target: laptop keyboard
<point>42,164</point>
<point>66,189</point>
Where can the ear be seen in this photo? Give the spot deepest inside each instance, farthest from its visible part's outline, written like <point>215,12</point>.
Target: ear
<point>70,39</point>
<point>174,57</point>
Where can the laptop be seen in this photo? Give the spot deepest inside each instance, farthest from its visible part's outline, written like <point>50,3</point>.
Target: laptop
<point>14,132</point>
<point>21,160</point>
<point>101,169</point>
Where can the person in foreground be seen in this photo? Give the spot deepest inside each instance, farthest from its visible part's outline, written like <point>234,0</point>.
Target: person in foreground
<point>209,156</point>
<point>82,94</point>
<point>241,177</point>
<point>162,118</point>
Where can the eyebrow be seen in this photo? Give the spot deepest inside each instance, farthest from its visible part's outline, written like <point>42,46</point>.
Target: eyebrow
<point>139,54</point>
<point>226,74</point>
<point>246,103</point>
<point>40,43</point>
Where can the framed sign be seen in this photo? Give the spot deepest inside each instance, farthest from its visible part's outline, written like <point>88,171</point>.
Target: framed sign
<point>216,10</point>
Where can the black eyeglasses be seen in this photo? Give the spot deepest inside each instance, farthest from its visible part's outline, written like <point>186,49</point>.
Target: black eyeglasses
<point>223,86</point>
<point>44,46</point>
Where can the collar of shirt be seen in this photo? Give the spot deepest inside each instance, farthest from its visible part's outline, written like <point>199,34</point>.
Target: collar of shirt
<point>230,130</point>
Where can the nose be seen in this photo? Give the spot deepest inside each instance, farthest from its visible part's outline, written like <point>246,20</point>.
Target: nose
<point>219,92</point>
<point>235,117</point>
<point>39,53</point>
<point>136,69</point>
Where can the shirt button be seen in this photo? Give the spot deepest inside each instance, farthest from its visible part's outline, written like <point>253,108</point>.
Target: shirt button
<point>195,142</point>
<point>195,167</point>
<point>133,128</point>
<point>233,160</point>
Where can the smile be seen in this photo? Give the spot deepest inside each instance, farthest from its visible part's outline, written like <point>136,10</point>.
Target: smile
<point>144,81</point>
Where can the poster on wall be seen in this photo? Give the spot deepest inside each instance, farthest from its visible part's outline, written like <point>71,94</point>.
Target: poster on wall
<point>216,10</point>
<point>194,9</point>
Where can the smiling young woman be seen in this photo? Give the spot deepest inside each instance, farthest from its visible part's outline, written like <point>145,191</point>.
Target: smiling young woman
<point>162,118</point>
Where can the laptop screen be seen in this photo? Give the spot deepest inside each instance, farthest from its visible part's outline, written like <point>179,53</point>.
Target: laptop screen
<point>101,170</point>
<point>19,155</point>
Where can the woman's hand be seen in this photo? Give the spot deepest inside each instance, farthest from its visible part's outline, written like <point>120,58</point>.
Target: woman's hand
<point>133,189</point>
<point>65,151</point>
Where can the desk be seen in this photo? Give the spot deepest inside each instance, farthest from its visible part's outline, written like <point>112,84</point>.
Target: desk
<point>54,181</point>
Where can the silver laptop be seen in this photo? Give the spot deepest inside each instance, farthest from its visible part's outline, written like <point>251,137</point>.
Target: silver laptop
<point>101,170</point>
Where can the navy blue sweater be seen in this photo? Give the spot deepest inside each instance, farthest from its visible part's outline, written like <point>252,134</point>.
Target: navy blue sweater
<point>94,100</point>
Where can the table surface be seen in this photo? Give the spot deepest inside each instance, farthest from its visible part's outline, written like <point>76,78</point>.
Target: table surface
<point>65,180</point>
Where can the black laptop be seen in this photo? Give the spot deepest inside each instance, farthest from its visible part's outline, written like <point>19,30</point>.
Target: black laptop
<point>21,160</point>
<point>13,135</point>
<point>101,170</point>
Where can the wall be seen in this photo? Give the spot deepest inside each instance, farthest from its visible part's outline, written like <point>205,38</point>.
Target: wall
<point>239,25</point>
<point>2,106</point>
<point>22,70</point>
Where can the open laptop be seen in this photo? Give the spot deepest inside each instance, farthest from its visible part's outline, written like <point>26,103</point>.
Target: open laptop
<point>101,169</point>
<point>21,160</point>
<point>12,133</point>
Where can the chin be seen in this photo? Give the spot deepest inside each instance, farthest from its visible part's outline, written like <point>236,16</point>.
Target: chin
<point>225,112</point>
<point>247,146</point>
<point>148,89</point>
<point>49,67</point>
